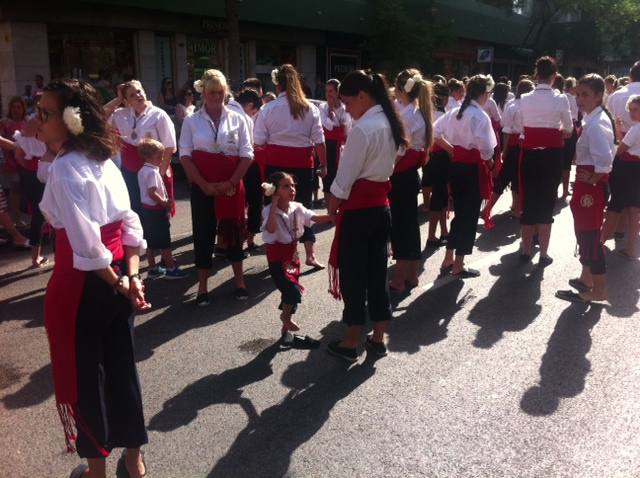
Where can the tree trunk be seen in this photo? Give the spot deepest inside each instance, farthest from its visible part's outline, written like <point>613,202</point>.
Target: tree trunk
<point>233,26</point>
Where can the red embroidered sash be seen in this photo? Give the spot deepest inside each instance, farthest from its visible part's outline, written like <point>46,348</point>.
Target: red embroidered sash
<point>542,138</point>
<point>62,299</point>
<point>411,159</point>
<point>31,164</point>
<point>472,156</point>
<point>627,156</point>
<point>364,194</point>
<point>260,157</point>
<point>215,168</point>
<point>588,202</point>
<point>286,255</point>
<point>289,157</point>
<point>514,140</point>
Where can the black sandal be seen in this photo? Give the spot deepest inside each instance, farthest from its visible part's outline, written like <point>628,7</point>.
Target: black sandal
<point>467,274</point>
<point>446,269</point>
<point>578,285</point>
<point>571,296</point>
<point>122,465</point>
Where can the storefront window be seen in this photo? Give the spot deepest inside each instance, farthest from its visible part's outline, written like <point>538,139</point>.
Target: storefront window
<point>204,53</point>
<point>102,56</point>
<point>270,55</point>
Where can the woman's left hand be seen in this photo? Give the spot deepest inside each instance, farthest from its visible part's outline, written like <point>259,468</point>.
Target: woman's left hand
<point>136,294</point>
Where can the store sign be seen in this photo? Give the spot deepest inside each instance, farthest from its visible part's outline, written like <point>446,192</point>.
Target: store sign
<point>217,27</point>
<point>342,63</point>
<point>485,55</point>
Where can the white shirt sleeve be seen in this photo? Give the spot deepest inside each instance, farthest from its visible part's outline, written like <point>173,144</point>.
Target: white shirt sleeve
<point>317,134</point>
<point>43,171</point>
<point>260,132</point>
<point>484,136</point>
<point>351,163</point>
<point>631,137</point>
<point>565,115</point>
<point>32,147</point>
<point>166,131</point>
<point>186,137</point>
<point>440,125</point>
<point>307,215</point>
<point>245,145</point>
<point>600,148</point>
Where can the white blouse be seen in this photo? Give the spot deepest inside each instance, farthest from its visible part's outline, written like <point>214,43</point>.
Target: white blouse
<point>369,153</point>
<point>596,146</point>
<point>231,138</point>
<point>149,177</point>
<point>632,140</point>
<point>290,224</point>
<point>511,119</point>
<point>617,104</point>
<point>545,108</point>
<point>573,106</point>
<point>153,123</point>
<point>415,125</point>
<point>491,108</point>
<point>81,196</point>
<point>472,131</point>
<point>340,117</point>
<point>452,103</point>
<point>275,125</point>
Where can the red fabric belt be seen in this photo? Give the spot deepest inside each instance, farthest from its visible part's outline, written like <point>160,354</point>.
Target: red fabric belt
<point>131,160</point>
<point>155,207</point>
<point>62,299</point>
<point>588,202</point>
<point>436,148</point>
<point>31,164</point>
<point>542,138</point>
<point>514,140</point>
<point>411,159</point>
<point>338,136</point>
<point>289,157</point>
<point>364,194</point>
<point>472,156</point>
<point>285,254</point>
<point>628,157</point>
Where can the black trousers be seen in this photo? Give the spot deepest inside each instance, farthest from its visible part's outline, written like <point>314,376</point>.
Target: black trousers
<point>591,251</point>
<point>624,182</point>
<point>290,292</point>
<point>109,396</point>
<point>465,190</point>
<point>205,225</point>
<point>541,171</point>
<point>332,164</point>
<point>156,227</point>
<point>405,229</point>
<point>131,180</point>
<point>253,191</point>
<point>435,175</point>
<point>33,190</point>
<point>363,265</point>
<point>510,172</point>
<point>304,178</point>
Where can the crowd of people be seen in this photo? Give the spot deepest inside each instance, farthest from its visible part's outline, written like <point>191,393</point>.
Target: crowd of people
<point>254,165</point>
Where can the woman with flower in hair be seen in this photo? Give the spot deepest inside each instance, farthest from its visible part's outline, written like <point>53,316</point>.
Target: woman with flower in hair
<point>283,223</point>
<point>95,285</point>
<point>466,133</point>
<point>414,94</point>
<point>291,129</point>
<point>216,151</point>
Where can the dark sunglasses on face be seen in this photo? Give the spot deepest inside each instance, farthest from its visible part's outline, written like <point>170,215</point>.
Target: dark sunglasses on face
<point>44,115</point>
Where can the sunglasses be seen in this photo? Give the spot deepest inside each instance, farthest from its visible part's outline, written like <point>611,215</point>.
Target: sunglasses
<point>44,115</point>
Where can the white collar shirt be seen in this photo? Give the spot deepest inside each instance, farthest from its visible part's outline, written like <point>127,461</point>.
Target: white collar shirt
<point>81,196</point>
<point>491,108</point>
<point>369,153</point>
<point>546,108</point>
<point>632,139</point>
<point>596,146</point>
<point>149,177</point>
<point>511,120</point>
<point>452,103</point>
<point>617,104</point>
<point>275,125</point>
<point>290,224</point>
<point>340,117</point>
<point>415,126</point>
<point>232,136</point>
<point>472,131</point>
<point>152,123</point>
<point>573,106</point>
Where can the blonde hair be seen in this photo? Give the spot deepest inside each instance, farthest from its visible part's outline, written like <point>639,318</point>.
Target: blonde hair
<point>421,89</point>
<point>149,147</point>
<point>289,81</point>
<point>211,77</point>
<point>632,99</point>
<point>131,84</point>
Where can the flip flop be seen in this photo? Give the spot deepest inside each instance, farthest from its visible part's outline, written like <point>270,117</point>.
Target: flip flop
<point>579,285</point>
<point>40,264</point>
<point>316,265</point>
<point>78,471</point>
<point>446,269</point>
<point>467,274</point>
<point>571,296</point>
<point>123,466</point>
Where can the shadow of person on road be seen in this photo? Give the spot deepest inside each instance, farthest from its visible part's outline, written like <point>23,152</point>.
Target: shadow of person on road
<point>38,389</point>
<point>27,306</point>
<point>505,232</point>
<point>265,446</point>
<point>511,304</point>
<point>623,278</point>
<point>564,365</point>
<point>426,318</point>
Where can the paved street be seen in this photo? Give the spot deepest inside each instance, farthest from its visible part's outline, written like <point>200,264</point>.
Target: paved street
<point>491,377</point>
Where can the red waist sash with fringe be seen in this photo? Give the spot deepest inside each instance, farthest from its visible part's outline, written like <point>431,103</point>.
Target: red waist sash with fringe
<point>289,157</point>
<point>411,159</point>
<point>472,156</point>
<point>588,202</point>
<point>285,254</point>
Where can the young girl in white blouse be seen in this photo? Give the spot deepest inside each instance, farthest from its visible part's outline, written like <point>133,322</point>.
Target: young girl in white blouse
<point>283,225</point>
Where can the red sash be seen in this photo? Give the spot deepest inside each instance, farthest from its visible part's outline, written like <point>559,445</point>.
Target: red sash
<point>289,157</point>
<point>588,202</point>
<point>364,194</point>
<point>61,303</point>
<point>131,160</point>
<point>155,207</point>
<point>437,148</point>
<point>337,135</point>
<point>31,164</point>
<point>411,159</point>
<point>627,156</point>
<point>542,138</point>
<point>285,254</point>
<point>514,140</point>
<point>260,157</point>
<point>215,168</point>
<point>472,156</point>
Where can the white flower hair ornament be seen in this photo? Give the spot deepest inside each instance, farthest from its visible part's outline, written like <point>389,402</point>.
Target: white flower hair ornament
<point>274,76</point>
<point>268,189</point>
<point>198,85</point>
<point>73,120</point>
<point>490,83</point>
<point>411,82</point>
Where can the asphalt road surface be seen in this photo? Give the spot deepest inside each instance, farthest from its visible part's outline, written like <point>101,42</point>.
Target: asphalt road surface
<point>490,377</point>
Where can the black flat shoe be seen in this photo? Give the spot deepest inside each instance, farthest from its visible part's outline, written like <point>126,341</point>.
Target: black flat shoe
<point>446,269</point>
<point>524,258</point>
<point>378,348</point>
<point>435,243</point>
<point>122,466</point>
<point>545,261</point>
<point>467,274</point>
<point>578,285</point>
<point>571,296</point>
<point>241,293</point>
<point>202,300</point>
<point>349,355</point>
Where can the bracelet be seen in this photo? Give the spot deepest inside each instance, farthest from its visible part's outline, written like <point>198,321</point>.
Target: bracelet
<point>118,283</point>
<point>135,276</point>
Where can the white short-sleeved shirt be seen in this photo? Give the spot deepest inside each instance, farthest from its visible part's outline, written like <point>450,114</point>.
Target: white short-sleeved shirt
<point>573,106</point>
<point>340,117</point>
<point>415,125</point>
<point>237,107</point>
<point>491,108</point>
<point>632,140</point>
<point>617,103</point>
<point>43,171</point>
<point>32,147</point>
<point>596,146</point>
<point>290,224</point>
<point>153,123</point>
<point>452,103</point>
<point>472,131</point>
<point>511,119</point>
<point>149,177</point>
<point>275,125</point>
<point>369,153</point>
<point>81,196</point>
<point>231,138</point>
<point>546,108</point>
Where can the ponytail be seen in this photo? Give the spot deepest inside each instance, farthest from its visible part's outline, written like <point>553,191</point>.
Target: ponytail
<point>288,79</point>
<point>380,93</point>
<point>613,123</point>
<point>416,87</point>
<point>478,85</point>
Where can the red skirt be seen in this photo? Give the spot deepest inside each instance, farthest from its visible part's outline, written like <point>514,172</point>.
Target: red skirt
<point>588,202</point>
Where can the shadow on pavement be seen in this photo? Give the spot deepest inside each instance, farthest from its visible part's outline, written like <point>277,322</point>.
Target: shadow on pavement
<point>511,304</point>
<point>38,389</point>
<point>564,365</point>
<point>505,232</point>
<point>623,278</point>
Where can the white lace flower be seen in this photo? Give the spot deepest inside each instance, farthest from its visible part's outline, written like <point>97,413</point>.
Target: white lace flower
<point>274,76</point>
<point>268,189</point>
<point>490,83</point>
<point>198,85</point>
<point>411,82</point>
<point>73,120</point>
